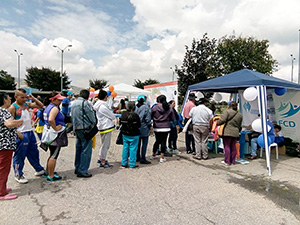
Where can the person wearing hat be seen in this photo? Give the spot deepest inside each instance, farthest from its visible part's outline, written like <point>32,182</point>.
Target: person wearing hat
<point>201,117</point>
<point>56,120</point>
<point>186,114</point>
<point>65,109</point>
<point>26,141</point>
<point>146,128</point>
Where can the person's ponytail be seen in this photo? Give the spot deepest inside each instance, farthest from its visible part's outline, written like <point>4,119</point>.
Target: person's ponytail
<point>163,100</point>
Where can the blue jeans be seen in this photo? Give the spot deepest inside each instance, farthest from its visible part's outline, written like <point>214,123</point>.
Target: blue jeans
<point>83,152</point>
<point>26,148</point>
<point>130,146</point>
<point>142,155</point>
<point>188,140</point>
<point>253,146</point>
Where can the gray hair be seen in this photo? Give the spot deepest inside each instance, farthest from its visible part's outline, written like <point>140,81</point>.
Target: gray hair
<point>131,106</point>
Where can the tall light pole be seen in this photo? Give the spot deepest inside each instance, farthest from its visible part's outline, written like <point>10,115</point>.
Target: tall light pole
<point>299,59</point>
<point>19,79</point>
<point>293,59</point>
<point>62,63</point>
<point>172,73</point>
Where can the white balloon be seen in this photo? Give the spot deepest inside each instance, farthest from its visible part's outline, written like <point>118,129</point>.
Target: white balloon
<point>256,125</point>
<point>199,95</point>
<point>217,97</point>
<point>250,94</point>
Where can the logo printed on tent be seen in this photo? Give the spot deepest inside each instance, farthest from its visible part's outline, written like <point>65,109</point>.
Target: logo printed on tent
<point>294,109</point>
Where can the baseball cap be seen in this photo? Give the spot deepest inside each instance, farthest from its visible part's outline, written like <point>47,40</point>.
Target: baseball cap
<point>192,96</point>
<point>58,96</point>
<point>70,93</point>
<point>141,97</point>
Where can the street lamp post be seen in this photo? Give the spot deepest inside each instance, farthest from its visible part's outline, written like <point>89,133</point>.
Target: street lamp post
<point>62,63</point>
<point>19,79</point>
<point>172,73</point>
<point>299,60</point>
<point>293,59</point>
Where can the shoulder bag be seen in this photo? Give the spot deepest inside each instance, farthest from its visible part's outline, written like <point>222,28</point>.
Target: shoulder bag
<point>90,131</point>
<point>119,140</point>
<point>222,126</point>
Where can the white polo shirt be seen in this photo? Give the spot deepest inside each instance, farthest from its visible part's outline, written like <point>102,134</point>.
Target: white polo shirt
<point>201,115</point>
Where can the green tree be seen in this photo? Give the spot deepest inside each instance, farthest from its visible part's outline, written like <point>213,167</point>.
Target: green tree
<point>208,59</point>
<point>139,84</point>
<point>197,63</point>
<point>46,79</point>
<point>98,83</point>
<point>7,82</point>
<point>236,53</point>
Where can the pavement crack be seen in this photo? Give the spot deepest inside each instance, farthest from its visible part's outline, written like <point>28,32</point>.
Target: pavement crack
<point>212,222</point>
<point>36,201</point>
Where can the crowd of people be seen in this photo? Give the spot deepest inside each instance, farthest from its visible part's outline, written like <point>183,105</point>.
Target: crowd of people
<point>57,115</point>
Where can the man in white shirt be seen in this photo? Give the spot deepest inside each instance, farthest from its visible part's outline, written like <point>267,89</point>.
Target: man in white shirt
<point>201,117</point>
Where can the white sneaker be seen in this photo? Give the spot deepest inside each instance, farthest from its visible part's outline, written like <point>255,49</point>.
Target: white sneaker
<point>153,157</point>
<point>225,163</point>
<point>162,160</point>
<point>21,179</point>
<point>40,173</point>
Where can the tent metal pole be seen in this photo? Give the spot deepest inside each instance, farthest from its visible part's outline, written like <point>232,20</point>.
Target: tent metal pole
<point>262,101</point>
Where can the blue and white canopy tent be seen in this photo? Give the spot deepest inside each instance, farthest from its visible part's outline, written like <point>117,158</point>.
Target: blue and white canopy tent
<point>240,80</point>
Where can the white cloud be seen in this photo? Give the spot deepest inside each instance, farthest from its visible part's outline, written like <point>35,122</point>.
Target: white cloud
<point>153,44</point>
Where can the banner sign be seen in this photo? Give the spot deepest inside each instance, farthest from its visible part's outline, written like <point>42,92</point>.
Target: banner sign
<point>168,89</point>
<point>287,109</point>
<point>282,110</point>
<point>250,110</point>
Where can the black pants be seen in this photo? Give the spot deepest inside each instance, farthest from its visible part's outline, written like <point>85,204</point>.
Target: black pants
<point>173,138</point>
<point>160,139</point>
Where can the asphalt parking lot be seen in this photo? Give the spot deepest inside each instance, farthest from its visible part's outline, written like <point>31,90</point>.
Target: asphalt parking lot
<point>180,191</point>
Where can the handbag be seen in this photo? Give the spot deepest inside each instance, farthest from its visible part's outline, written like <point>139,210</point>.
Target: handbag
<point>119,140</point>
<point>92,130</point>
<point>222,126</point>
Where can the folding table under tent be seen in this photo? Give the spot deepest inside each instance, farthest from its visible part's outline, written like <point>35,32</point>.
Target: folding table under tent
<point>240,80</point>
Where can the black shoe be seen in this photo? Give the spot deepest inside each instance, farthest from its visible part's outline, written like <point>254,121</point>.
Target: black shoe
<point>194,153</point>
<point>145,162</point>
<point>135,167</point>
<point>75,172</point>
<point>84,175</point>
<point>122,166</point>
<point>189,152</point>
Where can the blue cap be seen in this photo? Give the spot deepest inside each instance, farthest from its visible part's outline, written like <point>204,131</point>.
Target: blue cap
<point>70,93</point>
<point>141,97</point>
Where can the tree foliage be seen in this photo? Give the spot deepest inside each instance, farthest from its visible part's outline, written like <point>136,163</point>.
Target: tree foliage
<point>46,79</point>
<point>140,84</point>
<point>7,82</point>
<point>197,63</point>
<point>236,53</point>
<point>98,83</point>
<point>207,59</point>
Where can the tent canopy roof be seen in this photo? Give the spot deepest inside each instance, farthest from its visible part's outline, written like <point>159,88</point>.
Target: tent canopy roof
<point>125,89</point>
<point>241,79</point>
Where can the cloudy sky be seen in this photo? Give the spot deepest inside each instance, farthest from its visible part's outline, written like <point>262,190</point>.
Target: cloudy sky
<point>123,40</point>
